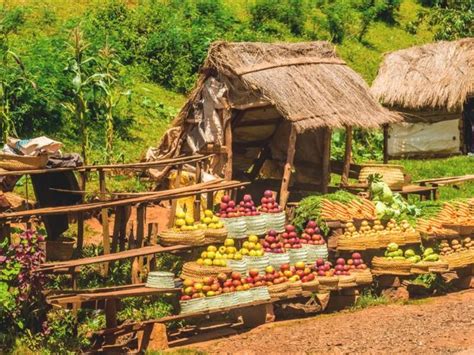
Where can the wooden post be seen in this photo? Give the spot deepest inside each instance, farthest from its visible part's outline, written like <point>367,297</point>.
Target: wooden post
<point>105,220</point>
<point>174,202</point>
<point>226,118</point>
<point>288,168</point>
<point>210,200</point>
<point>197,199</point>
<point>137,265</point>
<point>80,217</point>
<point>326,158</point>
<point>385,144</point>
<point>347,157</point>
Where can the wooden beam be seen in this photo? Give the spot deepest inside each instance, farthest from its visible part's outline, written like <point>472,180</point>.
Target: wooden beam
<point>80,217</point>
<point>347,156</point>
<point>197,198</point>
<point>105,221</point>
<point>226,118</point>
<point>265,154</point>
<point>326,158</point>
<point>385,144</point>
<point>174,203</point>
<point>288,167</point>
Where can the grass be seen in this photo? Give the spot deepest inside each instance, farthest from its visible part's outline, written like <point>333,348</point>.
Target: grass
<point>369,299</point>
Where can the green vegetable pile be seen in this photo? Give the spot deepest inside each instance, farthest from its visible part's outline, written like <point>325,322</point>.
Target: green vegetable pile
<point>389,205</point>
<point>394,252</point>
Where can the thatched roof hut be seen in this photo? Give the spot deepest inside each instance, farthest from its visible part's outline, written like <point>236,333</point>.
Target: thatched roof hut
<point>255,99</point>
<point>428,84</point>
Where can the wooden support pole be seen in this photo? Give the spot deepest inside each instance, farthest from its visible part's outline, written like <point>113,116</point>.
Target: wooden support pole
<point>347,157</point>
<point>197,199</point>
<point>326,158</point>
<point>105,220</point>
<point>385,144</point>
<point>284,194</point>
<point>210,200</point>
<point>174,202</point>
<point>226,118</point>
<point>137,265</point>
<point>80,216</point>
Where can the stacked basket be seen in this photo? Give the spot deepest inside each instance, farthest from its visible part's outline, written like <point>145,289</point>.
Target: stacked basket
<point>256,225</point>
<point>214,302</point>
<point>236,227</point>
<point>346,281</point>
<point>383,266</point>
<point>257,262</point>
<point>276,221</point>
<point>244,296</point>
<point>215,236</point>
<point>297,255</point>
<point>160,279</point>
<point>196,272</point>
<point>193,306</point>
<point>278,259</point>
<point>328,283</point>
<point>260,293</point>
<point>171,237</point>
<point>238,266</point>
<point>230,299</point>
<point>316,252</point>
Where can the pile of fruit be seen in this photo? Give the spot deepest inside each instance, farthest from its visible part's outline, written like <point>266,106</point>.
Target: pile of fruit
<point>377,229</point>
<point>269,205</point>
<point>456,245</point>
<point>210,221</point>
<point>312,234</point>
<point>297,272</point>
<point>323,268</point>
<point>252,247</point>
<point>214,257</point>
<point>272,244</point>
<point>290,238</point>
<point>213,286</point>
<point>185,223</point>
<point>247,206</point>
<point>356,262</point>
<point>394,252</point>
<point>228,208</point>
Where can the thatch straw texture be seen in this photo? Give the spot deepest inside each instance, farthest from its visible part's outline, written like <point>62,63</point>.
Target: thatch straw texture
<point>306,82</point>
<point>434,76</point>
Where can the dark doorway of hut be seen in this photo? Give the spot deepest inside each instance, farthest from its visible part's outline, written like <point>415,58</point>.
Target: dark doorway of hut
<point>468,124</point>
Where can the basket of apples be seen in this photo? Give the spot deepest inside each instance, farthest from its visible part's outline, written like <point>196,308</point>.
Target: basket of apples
<point>258,285</point>
<point>314,242</point>
<point>342,271</point>
<point>256,222</point>
<point>185,231</point>
<point>274,215</point>
<point>359,269</point>
<point>192,299</point>
<point>293,245</point>
<point>325,274</point>
<point>275,280</point>
<point>233,219</point>
<point>273,247</point>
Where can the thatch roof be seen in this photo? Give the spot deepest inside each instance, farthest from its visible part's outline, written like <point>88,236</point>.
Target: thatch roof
<point>434,76</point>
<point>307,83</point>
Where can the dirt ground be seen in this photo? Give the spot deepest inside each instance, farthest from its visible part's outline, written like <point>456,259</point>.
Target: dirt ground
<point>443,325</point>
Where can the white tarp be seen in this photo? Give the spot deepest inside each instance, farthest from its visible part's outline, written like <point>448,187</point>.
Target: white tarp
<point>424,138</point>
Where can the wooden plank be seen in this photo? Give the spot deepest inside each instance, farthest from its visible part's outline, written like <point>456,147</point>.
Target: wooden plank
<point>288,167</point>
<point>80,217</point>
<point>131,253</point>
<point>137,265</point>
<point>150,197</point>
<point>326,158</point>
<point>347,156</point>
<point>174,203</point>
<point>132,292</point>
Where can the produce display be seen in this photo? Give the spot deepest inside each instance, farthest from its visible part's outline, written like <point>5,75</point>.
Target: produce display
<point>434,228</point>
<point>355,209</point>
<point>247,206</point>
<point>272,243</point>
<point>449,247</point>
<point>388,204</point>
<point>210,221</point>
<point>228,208</point>
<point>312,234</point>
<point>213,286</point>
<point>185,223</point>
<point>252,247</point>
<point>216,257</point>
<point>290,238</point>
<point>269,204</point>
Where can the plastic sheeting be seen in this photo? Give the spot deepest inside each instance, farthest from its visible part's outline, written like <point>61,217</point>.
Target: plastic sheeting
<point>424,138</point>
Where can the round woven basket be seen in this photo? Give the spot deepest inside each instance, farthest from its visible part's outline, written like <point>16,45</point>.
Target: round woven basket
<point>294,288</point>
<point>297,255</point>
<point>328,283</point>
<point>238,266</point>
<point>459,259</point>
<point>312,286</point>
<point>171,237</point>
<point>236,227</point>
<point>257,262</point>
<point>275,221</point>
<point>22,162</point>
<point>193,306</point>
<point>316,252</point>
<point>244,296</point>
<point>346,281</point>
<point>383,266</point>
<point>392,175</point>
<point>256,225</point>
<point>215,236</point>
<point>60,249</point>
<point>362,277</point>
<point>278,288</point>
<point>260,293</point>
<point>196,272</point>
<point>278,259</point>
<point>160,279</point>
<point>351,244</point>
<point>215,302</point>
<point>412,237</point>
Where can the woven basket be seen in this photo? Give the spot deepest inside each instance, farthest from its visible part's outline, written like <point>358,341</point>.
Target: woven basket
<point>362,277</point>
<point>328,283</point>
<point>297,255</point>
<point>392,237</point>
<point>312,286</point>
<point>412,237</point>
<point>461,229</point>
<point>60,250</point>
<point>171,237</point>
<point>383,266</point>
<point>392,175</point>
<point>316,252</point>
<point>230,299</point>
<point>459,259</point>
<point>351,244</point>
<point>193,306</point>
<point>22,162</point>
<point>260,293</point>
<point>215,236</point>
<point>295,288</point>
<point>275,221</point>
<point>238,266</point>
<point>256,225</point>
<point>244,296</point>
<point>215,302</point>
<point>276,260</point>
<point>160,279</point>
<point>346,281</point>
<point>257,262</point>
<point>196,272</point>
<point>236,227</point>
<point>278,288</point>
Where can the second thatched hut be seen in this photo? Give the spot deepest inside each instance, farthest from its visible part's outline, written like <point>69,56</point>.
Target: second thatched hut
<point>432,86</point>
<point>267,111</point>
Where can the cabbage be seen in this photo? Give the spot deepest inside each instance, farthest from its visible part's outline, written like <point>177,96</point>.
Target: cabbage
<point>376,188</point>
<point>387,195</point>
<point>380,208</point>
